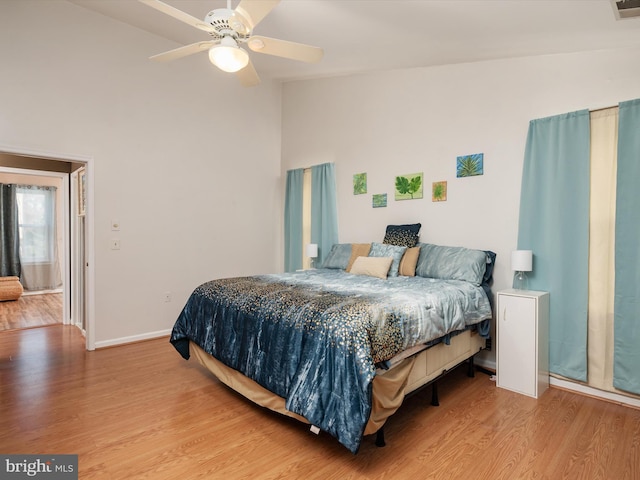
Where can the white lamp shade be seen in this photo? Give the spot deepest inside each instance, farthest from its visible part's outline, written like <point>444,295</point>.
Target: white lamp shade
<point>227,56</point>
<point>522,260</point>
<point>311,250</point>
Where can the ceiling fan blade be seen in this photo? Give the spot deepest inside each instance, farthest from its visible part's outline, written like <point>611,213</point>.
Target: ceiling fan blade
<point>178,15</point>
<point>286,49</point>
<point>248,76</point>
<point>183,51</point>
<point>255,10</point>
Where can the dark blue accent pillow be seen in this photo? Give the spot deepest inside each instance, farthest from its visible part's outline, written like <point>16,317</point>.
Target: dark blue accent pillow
<point>402,235</point>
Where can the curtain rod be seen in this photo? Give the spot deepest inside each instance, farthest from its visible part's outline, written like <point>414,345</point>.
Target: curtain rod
<point>603,108</point>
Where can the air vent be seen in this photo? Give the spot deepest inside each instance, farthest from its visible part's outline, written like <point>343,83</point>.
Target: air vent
<point>626,8</point>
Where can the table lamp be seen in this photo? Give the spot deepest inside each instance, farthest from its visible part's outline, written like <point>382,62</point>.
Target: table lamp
<point>521,262</point>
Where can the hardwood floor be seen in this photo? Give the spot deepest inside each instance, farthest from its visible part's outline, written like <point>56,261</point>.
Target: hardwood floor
<point>141,411</point>
<point>31,311</point>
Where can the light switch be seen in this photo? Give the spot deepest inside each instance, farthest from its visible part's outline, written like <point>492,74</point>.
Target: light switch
<point>115,244</point>
<point>115,225</point>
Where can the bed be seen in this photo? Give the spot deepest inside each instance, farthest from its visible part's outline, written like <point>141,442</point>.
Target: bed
<point>339,347</point>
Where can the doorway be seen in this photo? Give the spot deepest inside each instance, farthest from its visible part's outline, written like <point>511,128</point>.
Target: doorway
<point>77,244</point>
<point>40,200</point>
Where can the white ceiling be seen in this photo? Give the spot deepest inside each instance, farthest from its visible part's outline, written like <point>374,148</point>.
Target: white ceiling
<point>372,35</point>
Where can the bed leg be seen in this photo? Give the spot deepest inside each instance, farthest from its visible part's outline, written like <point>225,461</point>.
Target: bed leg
<point>471,372</point>
<point>380,437</point>
<point>434,394</point>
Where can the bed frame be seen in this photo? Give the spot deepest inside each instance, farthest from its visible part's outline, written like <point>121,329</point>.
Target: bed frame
<point>390,386</point>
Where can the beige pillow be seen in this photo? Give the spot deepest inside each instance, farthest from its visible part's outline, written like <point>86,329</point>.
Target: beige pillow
<point>358,250</point>
<point>372,266</point>
<point>409,262</point>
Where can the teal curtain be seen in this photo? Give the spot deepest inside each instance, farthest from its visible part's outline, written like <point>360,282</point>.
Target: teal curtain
<point>293,220</point>
<point>554,224</point>
<point>626,353</point>
<point>324,210</point>
<point>10,265</point>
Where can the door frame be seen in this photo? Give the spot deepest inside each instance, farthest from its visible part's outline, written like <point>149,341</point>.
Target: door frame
<point>66,278</point>
<point>70,190</point>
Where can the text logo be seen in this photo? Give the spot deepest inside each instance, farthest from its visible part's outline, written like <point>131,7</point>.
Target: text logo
<point>50,467</point>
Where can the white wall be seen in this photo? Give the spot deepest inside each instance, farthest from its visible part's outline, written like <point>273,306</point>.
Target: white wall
<point>185,158</point>
<point>420,120</point>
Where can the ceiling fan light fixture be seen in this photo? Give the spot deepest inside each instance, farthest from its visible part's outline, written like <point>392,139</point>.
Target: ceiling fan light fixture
<point>227,56</point>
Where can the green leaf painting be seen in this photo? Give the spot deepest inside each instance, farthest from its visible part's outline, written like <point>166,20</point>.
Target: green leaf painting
<point>379,200</point>
<point>470,165</point>
<point>439,192</point>
<point>359,183</point>
<point>409,187</point>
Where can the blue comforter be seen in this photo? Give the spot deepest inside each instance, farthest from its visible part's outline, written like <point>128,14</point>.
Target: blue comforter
<point>314,337</point>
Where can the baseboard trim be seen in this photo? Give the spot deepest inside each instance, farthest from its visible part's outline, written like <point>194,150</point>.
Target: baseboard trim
<point>577,388</point>
<point>488,364</point>
<point>484,363</point>
<point>28,293</point>
<point>132,339</point>
<point>594,392</point>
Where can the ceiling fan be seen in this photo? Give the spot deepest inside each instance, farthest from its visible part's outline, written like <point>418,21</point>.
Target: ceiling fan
<point>229,28</point>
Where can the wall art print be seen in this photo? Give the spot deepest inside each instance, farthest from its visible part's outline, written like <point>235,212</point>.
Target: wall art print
<point>359,183</point>
<point>439,192</point>
<point>409,187</point>
<point>379,200</point>
<point>470,165</point>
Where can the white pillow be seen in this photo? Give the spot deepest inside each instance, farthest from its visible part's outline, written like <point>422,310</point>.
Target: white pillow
<point>372,266</point>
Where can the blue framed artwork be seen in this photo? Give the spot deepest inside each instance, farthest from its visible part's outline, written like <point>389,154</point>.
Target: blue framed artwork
<point>470,165</point>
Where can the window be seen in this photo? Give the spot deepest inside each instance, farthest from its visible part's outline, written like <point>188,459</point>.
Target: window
<point>36,223</point>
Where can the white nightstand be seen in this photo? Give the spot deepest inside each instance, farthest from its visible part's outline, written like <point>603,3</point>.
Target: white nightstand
<point>523,341</point>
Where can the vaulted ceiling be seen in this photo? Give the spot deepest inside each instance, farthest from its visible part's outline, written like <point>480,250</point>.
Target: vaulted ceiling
<point>372,35</point>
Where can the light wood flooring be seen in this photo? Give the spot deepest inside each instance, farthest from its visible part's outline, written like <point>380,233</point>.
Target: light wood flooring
<point>142,412</point>
<point>31,311</point>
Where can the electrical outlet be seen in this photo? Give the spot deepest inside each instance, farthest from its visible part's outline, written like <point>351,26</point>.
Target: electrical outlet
<point>167,297</point>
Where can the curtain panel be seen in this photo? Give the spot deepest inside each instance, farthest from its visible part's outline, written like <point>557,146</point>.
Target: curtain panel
<point>626,367</point>
<point>554,224</point>
<point>604,153</point>
<point>9,232</point>
<point>293,220</point>
<point>324,209</point>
